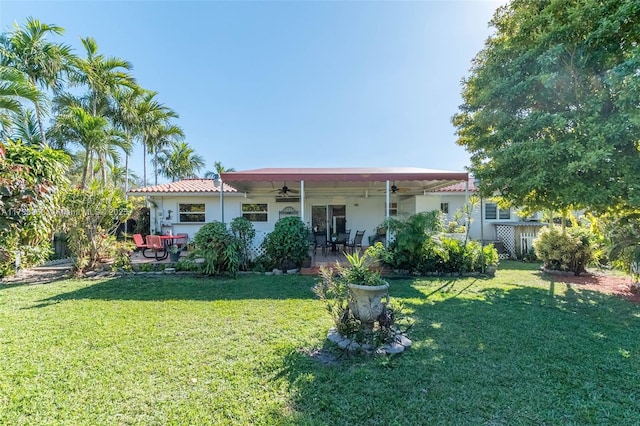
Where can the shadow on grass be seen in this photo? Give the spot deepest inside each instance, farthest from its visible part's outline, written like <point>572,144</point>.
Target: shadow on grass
<point>522,356</point>
<point>246,287</point>
<point>199,288</point>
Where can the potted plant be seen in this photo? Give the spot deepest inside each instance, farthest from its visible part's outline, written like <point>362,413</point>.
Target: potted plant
<point>174,253</point>
<point>368,292</point>
<point>491,260</point>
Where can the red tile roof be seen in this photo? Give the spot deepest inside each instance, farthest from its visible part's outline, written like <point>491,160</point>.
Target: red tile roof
<point>192,186</point>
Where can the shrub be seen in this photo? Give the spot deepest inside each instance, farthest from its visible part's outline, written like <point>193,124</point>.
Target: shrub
<point>568,251</point>
<point>30,180</point>
<point>411,235</point>
<point>244,233</point>
<point>219,248</point>
<point>288,244</point>
<point>94,214</point>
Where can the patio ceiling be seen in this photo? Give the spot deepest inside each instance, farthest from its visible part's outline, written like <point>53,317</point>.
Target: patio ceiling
<point>369,181</point>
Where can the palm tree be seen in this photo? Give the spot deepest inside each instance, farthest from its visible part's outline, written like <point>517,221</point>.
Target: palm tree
<point>102,75</point>
<point>127,118</point>
<point>88,131</point>
<point>179,162</point>
<point>95,111</point>
<point>166,136</point>
<point>155,129</point>
<point>219,169</point>
<point>42,62</point>
<point>14,88</point>
<point>25,127</point>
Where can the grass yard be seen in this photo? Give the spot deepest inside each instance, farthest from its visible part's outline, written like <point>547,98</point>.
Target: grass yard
<point>517,349</point>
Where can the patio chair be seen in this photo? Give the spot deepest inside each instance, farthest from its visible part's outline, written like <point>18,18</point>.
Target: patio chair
<point>154,243</point>
<point>356,243</point>
<point>343,239</point>
<point>320,242</point>
<point>140,245</point>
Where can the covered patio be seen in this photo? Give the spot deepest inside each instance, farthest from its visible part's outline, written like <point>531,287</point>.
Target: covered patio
<point>368,195</point>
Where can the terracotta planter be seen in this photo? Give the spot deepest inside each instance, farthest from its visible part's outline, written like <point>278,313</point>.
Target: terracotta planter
<point>367,302</point>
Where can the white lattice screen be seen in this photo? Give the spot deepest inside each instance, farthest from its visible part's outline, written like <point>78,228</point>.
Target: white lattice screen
<point>506,234</point>
<point>256,249</point>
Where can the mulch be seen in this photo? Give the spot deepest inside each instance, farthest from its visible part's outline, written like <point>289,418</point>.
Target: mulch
<point>603,282</point>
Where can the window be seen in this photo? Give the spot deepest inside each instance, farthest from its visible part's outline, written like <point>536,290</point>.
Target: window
<point>191,212</point>
<point>255,212</point>
<point>393,209</point>
<point>444,208</point>
<point>491,211</point>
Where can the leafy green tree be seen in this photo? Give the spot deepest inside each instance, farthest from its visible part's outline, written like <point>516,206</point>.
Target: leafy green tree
<point>180,161</point>
<point>27,50</point>
<point>30,182</point>
<point>550,113</point>
<point>94,214</point>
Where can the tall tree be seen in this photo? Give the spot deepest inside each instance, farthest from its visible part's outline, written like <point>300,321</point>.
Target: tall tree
<point>551,115</point>
<point>27,50</point>
<point>155,129</point>
<point>179,161</point>
<point>14,89</point>
<point>218,170</point>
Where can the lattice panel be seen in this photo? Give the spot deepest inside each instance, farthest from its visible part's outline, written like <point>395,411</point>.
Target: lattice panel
<point>256,249</point>
<point>506,234</point>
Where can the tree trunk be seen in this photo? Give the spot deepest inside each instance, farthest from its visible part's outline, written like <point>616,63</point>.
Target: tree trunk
<point>40,125</point>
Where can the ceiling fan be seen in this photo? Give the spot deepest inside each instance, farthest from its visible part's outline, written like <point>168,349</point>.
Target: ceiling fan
<point>285,190</point>
<point>395,189</point>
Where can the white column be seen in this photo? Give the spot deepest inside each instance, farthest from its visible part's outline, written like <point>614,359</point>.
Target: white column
<point>302,200</point>
<point>387,202</point>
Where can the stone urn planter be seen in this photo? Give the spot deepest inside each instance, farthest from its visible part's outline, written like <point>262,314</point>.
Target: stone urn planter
<point>367,302</point>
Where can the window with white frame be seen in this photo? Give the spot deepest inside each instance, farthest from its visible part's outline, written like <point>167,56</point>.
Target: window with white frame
<point>444,208</point>
<point>492,211</point>
<point>255,212</point>
<point>393,209</point>
<point>190,213</point>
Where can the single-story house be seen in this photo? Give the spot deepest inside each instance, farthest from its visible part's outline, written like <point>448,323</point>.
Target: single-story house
<point>329,200</point>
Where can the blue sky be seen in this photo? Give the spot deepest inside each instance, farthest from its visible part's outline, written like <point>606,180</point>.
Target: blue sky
<point>293,83</point>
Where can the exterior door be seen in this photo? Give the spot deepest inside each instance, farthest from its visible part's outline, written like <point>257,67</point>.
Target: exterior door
<point>319,219</point>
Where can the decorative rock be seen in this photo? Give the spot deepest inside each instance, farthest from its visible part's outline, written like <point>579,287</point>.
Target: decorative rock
<point>334,337</point>
<point>277,272</point>
<point>169,270</point>
<point>404,340</point>
<point>395,348</point>
<point>344,343</point>
<point>292,271</point>
<point>367,347</point>
<point>353,346</point>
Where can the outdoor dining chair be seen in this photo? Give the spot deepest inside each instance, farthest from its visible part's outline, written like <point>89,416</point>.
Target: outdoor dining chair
<point>343,239</point>
<point>356,243</point>
<point>320,242</point>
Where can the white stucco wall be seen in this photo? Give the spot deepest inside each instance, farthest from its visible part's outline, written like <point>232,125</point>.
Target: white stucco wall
<point>362,212</point>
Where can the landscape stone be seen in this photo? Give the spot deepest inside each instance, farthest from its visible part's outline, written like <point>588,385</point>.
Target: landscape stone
<point>344,343</point>
<point>395,348</point>
<point>404,340</point>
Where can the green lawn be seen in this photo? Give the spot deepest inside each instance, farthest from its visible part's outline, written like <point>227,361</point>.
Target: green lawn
<point>516,349</point>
